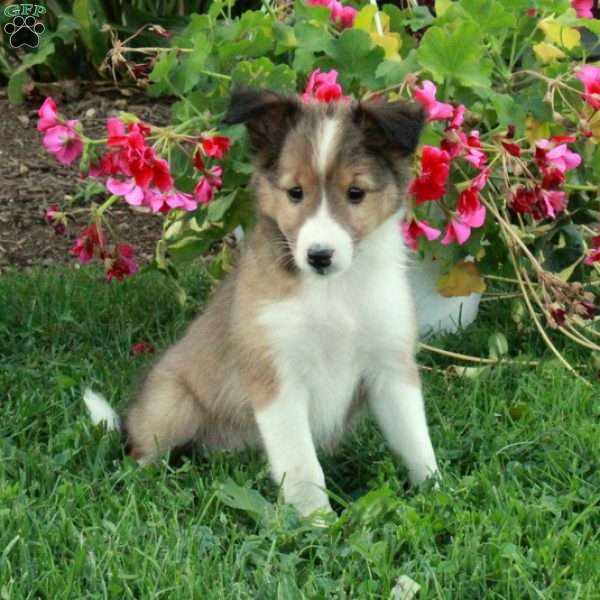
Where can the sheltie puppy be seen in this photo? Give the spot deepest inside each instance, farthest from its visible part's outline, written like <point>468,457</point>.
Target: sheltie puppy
<point>317,319</point>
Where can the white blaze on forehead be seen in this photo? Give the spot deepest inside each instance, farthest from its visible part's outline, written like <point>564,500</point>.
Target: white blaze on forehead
<point>326,142</point>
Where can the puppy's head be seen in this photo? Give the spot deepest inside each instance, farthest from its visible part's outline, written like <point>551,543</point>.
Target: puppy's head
<point>327,174</point>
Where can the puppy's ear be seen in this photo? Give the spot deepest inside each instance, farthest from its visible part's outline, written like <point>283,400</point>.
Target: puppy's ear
<point>392,126</point>
<point>268,117</point>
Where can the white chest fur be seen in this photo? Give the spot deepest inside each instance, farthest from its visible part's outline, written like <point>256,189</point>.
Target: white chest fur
<point>341,329</point>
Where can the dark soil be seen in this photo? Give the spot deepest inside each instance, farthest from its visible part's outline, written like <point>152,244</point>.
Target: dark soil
<point>31,179</point>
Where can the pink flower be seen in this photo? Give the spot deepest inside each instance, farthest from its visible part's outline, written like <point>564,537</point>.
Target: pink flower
<point>480,181</point>
<point>91,238</point>
<point>163,203</point>
<point>413,230</point>
<point>203,192</point>
<point>470,214</point>
<point>133,193</point>
<point>559,157</point>
<point>583,8</point>
<point>208,184</point>
<point>64,142</point>
<point>57,219</point>
<point>594,255</point>
<point>337,11</point>
<point>456,231</point>
<point>473,155</point>
<point>550,203</point>
<point>590,77</point>
<point>436,111</point>
<point>458,117</point>
<point>347,16</point>
<point>323,87</point>
<point>122,264</point>
<point>431,183</point>
<point>469,208</point>
<point>48,117</point>
<point>216,146</point>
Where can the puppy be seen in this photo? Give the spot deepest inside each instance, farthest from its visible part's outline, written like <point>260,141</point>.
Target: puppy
<point>317,318</point>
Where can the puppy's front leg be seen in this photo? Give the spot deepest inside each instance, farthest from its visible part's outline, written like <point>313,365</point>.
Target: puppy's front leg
<point>285,429</point>
<point>396,401</point>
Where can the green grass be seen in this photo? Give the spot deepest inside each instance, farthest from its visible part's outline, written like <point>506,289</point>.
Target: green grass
<point>518,514</point>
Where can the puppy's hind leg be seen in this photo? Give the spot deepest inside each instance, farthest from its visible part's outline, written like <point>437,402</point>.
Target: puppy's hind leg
<point>165,415</point>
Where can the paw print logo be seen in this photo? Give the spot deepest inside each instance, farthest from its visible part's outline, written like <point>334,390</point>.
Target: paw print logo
<point>24,31</point>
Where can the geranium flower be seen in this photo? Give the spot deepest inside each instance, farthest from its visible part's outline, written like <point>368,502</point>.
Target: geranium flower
<point>48,117</point>
<point>523,200</point>
<point>556,157</point>
<point>436,111</point>
<point>90,239</point>
<point>122,264</point>
<point>458,117</point>
<point>583,8</point>
<point>216,146</point>
<point>133,193</point>
<point>470,209</point>
<point>323,87</point>
<point>64,142</point>
<point>470,214</point>
<point>147,168</point>
<point>431,183</point>
<point>473,154</point>
<point>456,231</point>
<point>57,219</point>
<point>413,230</point>
<point>590,77</point>
<point>208,183</point>
<point>549,204</point>
<point>337,11</point>
<point>163,203</point>
<point>594,255</point>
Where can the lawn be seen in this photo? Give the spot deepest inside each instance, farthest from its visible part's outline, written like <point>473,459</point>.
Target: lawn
<point>517,515</point>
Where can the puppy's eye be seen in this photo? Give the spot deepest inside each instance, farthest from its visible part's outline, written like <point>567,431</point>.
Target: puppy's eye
<point>356,195</point>
<point>296,194</point>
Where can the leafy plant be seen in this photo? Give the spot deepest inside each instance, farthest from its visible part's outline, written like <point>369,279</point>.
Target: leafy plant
<point>509,164</point>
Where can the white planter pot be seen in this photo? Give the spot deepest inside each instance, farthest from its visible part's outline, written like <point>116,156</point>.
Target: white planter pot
<point>435,313</point>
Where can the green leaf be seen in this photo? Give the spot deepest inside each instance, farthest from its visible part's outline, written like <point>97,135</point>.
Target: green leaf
<point>356,56</point>
<point>262,72</point>
<point>509,112</point>
<point>161,70</point>
<point>248,500</point>
<point>94,40</point>
<point>455,55</point>
<point>420,17</point>
<point>19,76</point>
<point>394,72</point>
<point>218,207</point>
<point>311,38</point>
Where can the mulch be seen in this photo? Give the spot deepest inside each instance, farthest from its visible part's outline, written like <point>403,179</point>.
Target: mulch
<point>31,179</point>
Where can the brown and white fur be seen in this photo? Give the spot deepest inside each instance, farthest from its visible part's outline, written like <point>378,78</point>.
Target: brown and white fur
<point>286,353</point>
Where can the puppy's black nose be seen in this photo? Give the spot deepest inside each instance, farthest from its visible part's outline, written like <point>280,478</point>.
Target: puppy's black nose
<point>319,258</point>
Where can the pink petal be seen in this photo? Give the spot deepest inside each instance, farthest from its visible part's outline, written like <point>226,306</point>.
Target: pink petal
<point>136,196</point>
<point>120,188</point>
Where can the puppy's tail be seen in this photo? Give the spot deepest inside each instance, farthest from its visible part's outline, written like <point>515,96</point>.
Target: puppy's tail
<point>101,411</point>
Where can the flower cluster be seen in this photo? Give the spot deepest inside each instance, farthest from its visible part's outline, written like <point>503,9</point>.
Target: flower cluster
<point>431,184</point>
<point>541,196</point>
<point>132,170</point>
<point>324,87</point>
<point>343,15</point>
